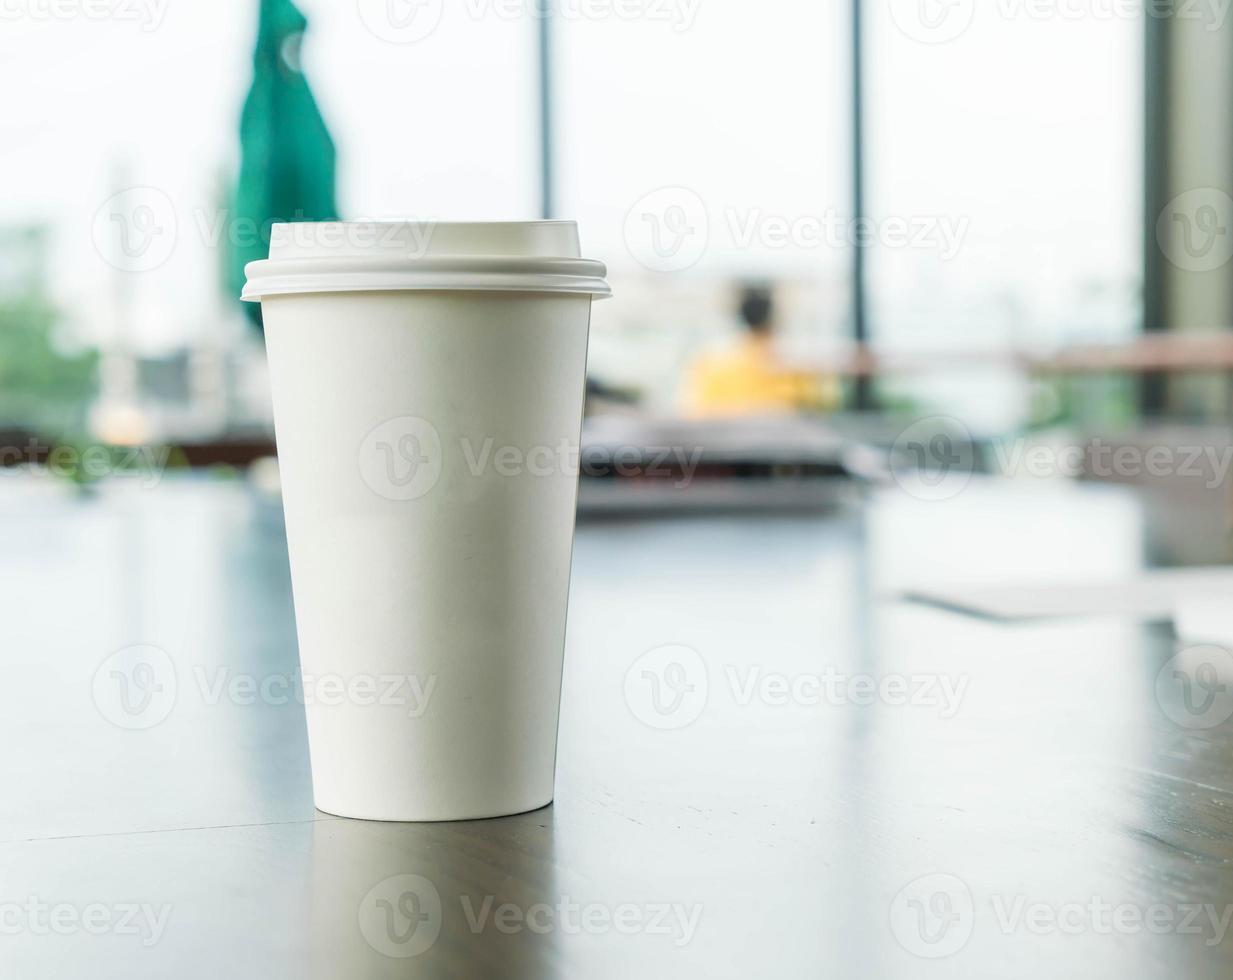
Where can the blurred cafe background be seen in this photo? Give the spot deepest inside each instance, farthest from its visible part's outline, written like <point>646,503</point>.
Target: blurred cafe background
<point>852,243</point>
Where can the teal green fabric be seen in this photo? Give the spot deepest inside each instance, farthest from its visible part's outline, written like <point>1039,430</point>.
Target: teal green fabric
<point>287,159</point>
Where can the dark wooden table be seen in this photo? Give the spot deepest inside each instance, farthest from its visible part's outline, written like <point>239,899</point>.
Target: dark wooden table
<point>769,766</point>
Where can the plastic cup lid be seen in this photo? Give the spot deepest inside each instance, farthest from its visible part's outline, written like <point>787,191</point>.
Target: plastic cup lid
<point>354,256</point>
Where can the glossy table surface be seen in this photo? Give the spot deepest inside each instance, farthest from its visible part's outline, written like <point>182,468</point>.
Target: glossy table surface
<point>769,764</point>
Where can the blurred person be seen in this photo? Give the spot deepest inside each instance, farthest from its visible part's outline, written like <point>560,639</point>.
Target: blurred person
<point>749,379</point>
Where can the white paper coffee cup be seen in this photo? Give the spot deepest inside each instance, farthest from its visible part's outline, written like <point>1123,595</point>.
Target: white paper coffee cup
<point>428,383</point>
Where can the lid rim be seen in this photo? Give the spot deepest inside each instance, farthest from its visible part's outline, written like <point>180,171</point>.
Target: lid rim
<point>280,277</point>
<point>397,263</point>
<point>555,290</point>
<point>517,256</point>
<point>596,290</point>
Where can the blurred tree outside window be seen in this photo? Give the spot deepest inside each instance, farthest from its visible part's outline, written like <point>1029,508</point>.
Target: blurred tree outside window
<point>45,385</point>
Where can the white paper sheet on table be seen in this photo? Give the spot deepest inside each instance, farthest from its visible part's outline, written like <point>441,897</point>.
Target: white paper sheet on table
<point>1204,619</point>
<point>1152,595</point>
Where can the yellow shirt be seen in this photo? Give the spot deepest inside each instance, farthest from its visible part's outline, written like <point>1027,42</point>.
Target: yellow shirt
<point>750,380</point>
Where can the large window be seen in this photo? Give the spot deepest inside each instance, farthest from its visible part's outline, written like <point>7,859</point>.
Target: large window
<point>702,147</point>
<point>1010,137</point>
<point>113,233</point>
<point>700,154</point>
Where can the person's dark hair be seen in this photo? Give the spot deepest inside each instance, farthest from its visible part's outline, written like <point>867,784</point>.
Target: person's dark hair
<point>756,309</point>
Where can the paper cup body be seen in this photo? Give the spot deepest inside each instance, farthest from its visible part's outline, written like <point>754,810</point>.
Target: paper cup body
<point>428,447</point>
